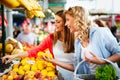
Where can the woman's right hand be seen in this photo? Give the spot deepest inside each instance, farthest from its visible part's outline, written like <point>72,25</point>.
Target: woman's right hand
<point>8,58</point>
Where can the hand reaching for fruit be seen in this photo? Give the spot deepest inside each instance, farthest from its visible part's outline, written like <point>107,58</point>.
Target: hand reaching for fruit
<point>8,58</point>
<point>47,58</point>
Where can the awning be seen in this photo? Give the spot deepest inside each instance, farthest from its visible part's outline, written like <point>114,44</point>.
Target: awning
<point>117,18</point>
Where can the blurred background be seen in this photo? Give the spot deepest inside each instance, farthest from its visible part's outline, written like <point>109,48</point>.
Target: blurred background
<point>106,10</point>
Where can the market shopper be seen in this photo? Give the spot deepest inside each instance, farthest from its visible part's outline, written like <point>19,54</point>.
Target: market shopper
<point>27,36</point>
<point>60,44</point>
<point>92,42</point>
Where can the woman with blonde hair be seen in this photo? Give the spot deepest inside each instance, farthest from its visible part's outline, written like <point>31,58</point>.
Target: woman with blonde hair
<point>92,43</point>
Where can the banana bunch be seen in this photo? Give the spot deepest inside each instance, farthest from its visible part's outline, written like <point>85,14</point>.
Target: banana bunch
<point>32,13</point>
<point>32,7</point>
<point>10,3</point>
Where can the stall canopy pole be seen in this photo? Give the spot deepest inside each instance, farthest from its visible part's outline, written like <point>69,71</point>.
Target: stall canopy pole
<point>3,32</point>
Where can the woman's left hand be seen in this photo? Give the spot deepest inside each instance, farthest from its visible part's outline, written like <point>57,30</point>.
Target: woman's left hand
<point>47,58</point>
<point>94,58</point>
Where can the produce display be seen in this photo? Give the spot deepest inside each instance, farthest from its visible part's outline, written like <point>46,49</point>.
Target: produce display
<point>12,46</point>
<point>30,68</point>
<point>32,7</point>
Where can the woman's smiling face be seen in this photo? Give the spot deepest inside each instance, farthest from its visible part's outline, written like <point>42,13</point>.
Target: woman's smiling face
<point>70,22</point>
<point>59,23</point>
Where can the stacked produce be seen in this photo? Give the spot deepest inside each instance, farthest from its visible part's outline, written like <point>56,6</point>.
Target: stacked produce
<point>12,46</point>
<point>32,7</point>
<point>32,69</point>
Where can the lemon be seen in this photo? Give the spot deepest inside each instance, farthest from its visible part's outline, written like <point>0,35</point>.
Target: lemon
<point>44,72</point>
<point>26,67</point>
<point>24,60</point>
<point>49,55</point>
<point>51,73</point>
<point>10,77</point>
<point>40,66</point>
<point>49,68</point>
<point>34,67</point>
<point>21,72</point>
<point>15,65</point>
<point>39,54</point>
<point>15,69</point>
<point>50,65</point>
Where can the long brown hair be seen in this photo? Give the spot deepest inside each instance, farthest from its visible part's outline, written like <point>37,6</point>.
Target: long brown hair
<point>68,38</point>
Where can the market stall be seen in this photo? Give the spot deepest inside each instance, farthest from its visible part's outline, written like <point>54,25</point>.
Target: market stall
<point>27,68</point>
<point>31,7</point>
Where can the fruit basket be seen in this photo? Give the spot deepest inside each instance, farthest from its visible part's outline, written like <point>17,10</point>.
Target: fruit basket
<point>92,76</point>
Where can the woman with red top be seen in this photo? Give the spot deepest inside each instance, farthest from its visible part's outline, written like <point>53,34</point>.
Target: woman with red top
<point>60,44</point>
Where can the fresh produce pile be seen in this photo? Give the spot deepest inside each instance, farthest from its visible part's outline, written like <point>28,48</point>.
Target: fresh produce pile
<point>12,46</point>
<point>32,69</point>
<point>105,72</point>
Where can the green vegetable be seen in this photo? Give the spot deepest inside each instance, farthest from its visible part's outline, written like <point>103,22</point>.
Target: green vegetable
<point>105,72</point>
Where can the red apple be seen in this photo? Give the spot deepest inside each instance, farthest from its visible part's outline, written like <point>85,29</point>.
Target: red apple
<point>38,75</point>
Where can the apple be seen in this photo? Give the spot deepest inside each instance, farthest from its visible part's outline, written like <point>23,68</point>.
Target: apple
<point>38,75</point>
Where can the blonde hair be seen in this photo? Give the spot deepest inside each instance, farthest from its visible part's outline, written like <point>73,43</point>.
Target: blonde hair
<point>81,21</point>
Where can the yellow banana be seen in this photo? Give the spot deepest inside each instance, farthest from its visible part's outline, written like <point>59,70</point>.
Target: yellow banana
<point>29,14</point>
<point>40,14</point>
<point>10,3</point>
<point>32,13</point>
<point>30,4</point>
<point>26,4</point>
